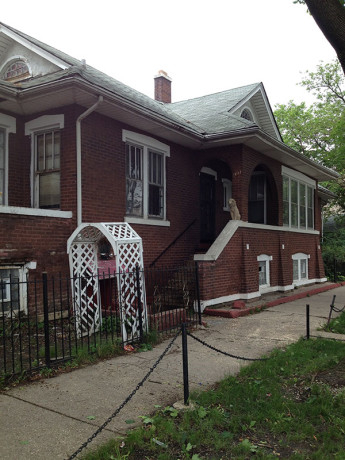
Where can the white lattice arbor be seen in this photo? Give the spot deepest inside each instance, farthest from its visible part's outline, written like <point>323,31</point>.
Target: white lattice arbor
<point>83,250</point>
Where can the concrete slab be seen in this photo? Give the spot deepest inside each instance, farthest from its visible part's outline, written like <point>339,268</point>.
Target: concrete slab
<point>52,418</point>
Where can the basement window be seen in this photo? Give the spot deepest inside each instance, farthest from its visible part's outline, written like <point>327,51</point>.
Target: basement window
<point>264,271</point>
<point>12,290</point>
<point>300,267</point>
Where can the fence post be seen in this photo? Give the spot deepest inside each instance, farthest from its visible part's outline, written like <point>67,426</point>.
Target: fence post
<point>185,365</point>
<point>308,321</point>
<point>137,272</point>
<point>335,277</point>
<point>46,318</point>
<point>198,291</point>
<point>331,310</point>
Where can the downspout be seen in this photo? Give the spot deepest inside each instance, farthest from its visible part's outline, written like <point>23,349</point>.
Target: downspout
<point>78,141</point>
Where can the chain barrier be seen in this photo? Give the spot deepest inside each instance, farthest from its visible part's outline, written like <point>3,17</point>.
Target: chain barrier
<point>140,384</point>
<point>224,352</point>
<point>338,310</point>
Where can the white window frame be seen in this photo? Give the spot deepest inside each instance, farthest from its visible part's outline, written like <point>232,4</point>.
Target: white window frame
<point>148,144</point>
<point>41,124</point>
<point>8,124</point>
<point>22,300</point>
<point>299,257</point>
<point>267,259</point>
<point>227,193</point>
<point>310,184</point>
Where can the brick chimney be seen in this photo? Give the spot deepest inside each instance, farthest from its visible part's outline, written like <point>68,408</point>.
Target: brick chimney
<point>162,87</point>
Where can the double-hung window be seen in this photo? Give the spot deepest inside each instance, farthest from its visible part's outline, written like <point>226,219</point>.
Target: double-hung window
<point>7,126</point>
<point>45,134</point>
<point>47,170</point>
<point>145,179</point>
<point>298,200</point>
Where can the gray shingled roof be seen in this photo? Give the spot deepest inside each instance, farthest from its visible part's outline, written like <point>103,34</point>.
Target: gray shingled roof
<point>208,114</point>
<point>211,112</point>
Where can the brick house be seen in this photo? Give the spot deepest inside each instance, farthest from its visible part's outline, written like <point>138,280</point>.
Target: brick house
<point>78,146</point>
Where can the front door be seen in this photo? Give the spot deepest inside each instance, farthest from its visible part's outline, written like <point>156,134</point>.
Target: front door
<point>207,208</point>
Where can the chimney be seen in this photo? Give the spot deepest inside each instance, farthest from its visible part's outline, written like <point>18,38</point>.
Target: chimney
<point>162,87</point>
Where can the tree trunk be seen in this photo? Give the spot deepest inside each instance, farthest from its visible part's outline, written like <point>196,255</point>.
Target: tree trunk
<point>329,15</point>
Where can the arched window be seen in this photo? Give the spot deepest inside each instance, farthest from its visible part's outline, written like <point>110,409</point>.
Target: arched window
<point>17,70</point>
<point>247,115</point>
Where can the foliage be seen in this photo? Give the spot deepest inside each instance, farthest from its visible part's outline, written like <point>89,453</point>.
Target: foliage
<point>333,248</point>
<point>336,325</point>
<point>273,409</point>
<point>318,131</point>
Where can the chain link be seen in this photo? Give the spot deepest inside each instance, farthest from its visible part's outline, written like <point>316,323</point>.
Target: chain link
<point>224,352</point>
<point>140,384</point>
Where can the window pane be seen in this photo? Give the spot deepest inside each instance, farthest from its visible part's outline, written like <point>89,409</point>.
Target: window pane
<point>155,201</point>
<point>294,203</point>
<point>49,190</point>
<point>303,268</point>
<point>56,164</point>
<point>310,202</point>
<point>40,152</point>
<point>262,273</point>
<point>295,270</point>
<point>302,207</point>
<point>49,151</point>
<point>2,166</point>
<point>286,201</point>
<point>134,185</point>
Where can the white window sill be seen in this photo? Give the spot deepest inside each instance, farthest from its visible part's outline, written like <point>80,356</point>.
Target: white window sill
<point>140,221</point>
<point>17,210</point>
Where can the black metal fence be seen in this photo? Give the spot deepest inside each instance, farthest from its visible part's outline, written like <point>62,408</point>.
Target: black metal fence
<point>39,318</point>
<point>335,269</point>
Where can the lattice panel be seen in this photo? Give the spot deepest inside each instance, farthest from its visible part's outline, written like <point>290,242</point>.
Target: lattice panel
<point>130,256</point>
<point>91,234</point>
<point>121,231</point>
<point>85,288</point>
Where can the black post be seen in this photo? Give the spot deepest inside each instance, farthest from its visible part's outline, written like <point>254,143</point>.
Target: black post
<point>137,272</point>
<point>46,318</point>
<point>331,310</point>
<point>308,321</point>
<point>185,364</point>
<point>198,291</point>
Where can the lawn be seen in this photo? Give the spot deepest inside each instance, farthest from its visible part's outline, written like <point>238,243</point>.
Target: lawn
<point>291,406</point>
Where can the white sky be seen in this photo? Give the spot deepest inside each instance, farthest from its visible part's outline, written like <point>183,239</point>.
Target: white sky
<point>205,46</point>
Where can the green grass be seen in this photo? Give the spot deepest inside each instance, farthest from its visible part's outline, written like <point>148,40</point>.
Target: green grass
<point>336,325</point>
<point>286,407</point>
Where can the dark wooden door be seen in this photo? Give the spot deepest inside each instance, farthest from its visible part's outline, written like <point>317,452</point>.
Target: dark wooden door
<point>207,208</point>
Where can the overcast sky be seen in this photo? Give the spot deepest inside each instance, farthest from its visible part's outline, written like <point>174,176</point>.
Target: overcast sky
<point>205,46</point>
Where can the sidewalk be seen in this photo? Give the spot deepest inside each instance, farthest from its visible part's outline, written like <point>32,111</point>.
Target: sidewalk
<point>50,419</point>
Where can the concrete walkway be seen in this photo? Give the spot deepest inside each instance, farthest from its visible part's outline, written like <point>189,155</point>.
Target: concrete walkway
<point>50,419</point>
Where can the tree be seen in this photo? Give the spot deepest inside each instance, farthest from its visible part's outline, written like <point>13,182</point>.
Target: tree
<point>318,131</point>
<point>329,15</point>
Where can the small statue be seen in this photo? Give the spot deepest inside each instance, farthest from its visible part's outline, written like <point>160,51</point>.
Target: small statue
<point>234,212</point>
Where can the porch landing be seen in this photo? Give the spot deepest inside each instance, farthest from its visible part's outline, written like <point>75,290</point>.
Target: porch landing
<point>243,308</point>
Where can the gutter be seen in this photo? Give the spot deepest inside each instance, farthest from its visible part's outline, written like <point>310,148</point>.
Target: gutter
<point>78,145</point>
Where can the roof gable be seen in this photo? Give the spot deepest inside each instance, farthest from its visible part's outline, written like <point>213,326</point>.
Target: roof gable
<point>221,112</point>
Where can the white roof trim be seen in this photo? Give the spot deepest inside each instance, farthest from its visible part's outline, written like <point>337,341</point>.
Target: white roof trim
<point>48,56</point>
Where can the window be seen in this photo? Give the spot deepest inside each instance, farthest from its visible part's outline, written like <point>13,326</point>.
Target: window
<point>2,166</point>
<point>300,267</point>
<point>17,70</point>
<point>47,170</point>
<point>145,178</point>
<point>264,271</point>
<point>45,134</point>
<point>298,200</point>
<point>7,126</point>
<point>227,193</point>
<point>247,115</point>
<point>257,198</point>
<point>11,290</point>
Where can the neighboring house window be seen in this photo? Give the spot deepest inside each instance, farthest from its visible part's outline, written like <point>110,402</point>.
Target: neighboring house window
<point>298,200</point>
<point>11,290</point>
<point>145,177</point>
<point>300,267</point>
<point>47,170</point>
<point>7,126</point>
<point>247,115</point>
<point>45,133</point>
<point>227,193</point>
<point>264,270</point>
<point>17,70</point>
